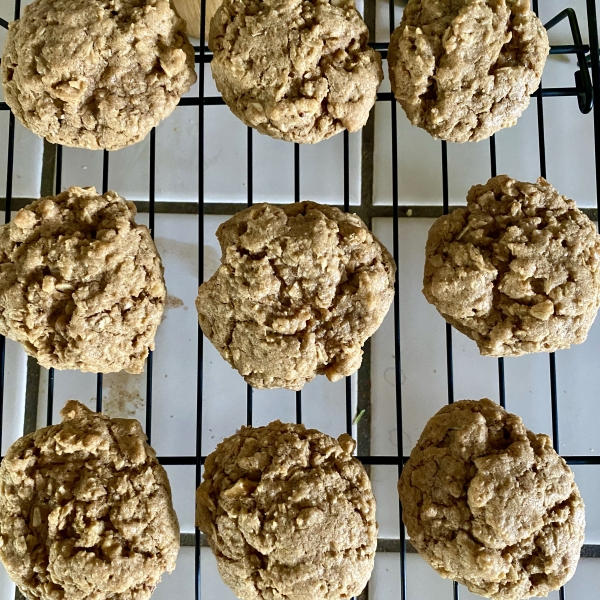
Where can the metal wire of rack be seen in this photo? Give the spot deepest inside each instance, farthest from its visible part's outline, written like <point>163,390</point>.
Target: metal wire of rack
<point>587,85</point>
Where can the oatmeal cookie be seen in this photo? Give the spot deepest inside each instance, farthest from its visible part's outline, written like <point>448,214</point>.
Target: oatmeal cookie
<point>490,504</point>
<point>86,511</point>
<point>96,73</point>
<point>464,69</point>
<point>517,270</point>
<point>299,291</point>
<point>296,70</point>
<point>81,283</point>
<point>288,513</point>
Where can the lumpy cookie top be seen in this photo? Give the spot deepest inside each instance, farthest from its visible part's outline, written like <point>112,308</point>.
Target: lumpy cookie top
<point>517,270</point>
<point>81,283</point>
<point>490,504</point>
<point>298,292</point>
<point>288,513</point>
<point>85,511</point>
<point>464,69</point>
<point>296,70</point>
<point>96,73</point>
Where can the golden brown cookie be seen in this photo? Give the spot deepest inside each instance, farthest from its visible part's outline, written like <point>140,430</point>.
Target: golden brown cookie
<point>81,283</point>
<point>299,291</point>
<point>96,73</point>
<point>86,511</point>
<point>490,504</point>
<point>464,69</point>
<point>295,70</point>
<point>288,513</point>
<point>517,270</point>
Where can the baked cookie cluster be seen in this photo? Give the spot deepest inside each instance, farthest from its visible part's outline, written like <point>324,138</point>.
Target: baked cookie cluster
<point>100,74</point>
<point>517,270</point>
<point>96,74</point>
<point>490,504</point>
<point>81,283</point>
<point>462,70</point>
<point>86,511</point>
<point>288,513</point>
<point>299,291</point>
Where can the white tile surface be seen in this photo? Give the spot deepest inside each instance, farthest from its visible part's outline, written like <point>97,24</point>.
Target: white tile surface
<point>420,157</point>
<point>585,581</point>
<point>28,147</point>
<point>419,161</point>
<point>517,148</point>
<point>588,479</point>
<point>422,583</point>
<point>561,34</point>
<point>27,169</point>
<point>226,164</point>
<point>67,385</point>
<point>212,586</point>
<point>15,373</point>
<point>570,171</point>
<point>175,358</point>
<point>180,583</point>
<point>7,8</point>
<point>182,480</point>
<point>384,480</point>
<point>578,382</point>
<point>7,587</point>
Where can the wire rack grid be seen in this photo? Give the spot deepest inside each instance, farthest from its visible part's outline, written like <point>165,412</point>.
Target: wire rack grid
<point>587,80</point>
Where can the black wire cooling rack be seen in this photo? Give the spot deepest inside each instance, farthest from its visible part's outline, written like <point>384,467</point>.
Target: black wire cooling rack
<point>587,84</point>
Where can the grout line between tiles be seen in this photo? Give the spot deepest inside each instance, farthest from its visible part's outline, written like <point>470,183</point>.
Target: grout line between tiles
<point>384,545</point>
<point>48,169</point>
<point>32,386</point>
<point>363,400</point>
<point>365,211</point>
<point>32,391</point>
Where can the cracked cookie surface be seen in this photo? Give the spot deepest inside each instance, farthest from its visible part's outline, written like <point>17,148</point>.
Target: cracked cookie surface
<point>96,74</point>
<point>490,504</point>
<point>299,291</point>
<point>296,70</point>
<point>517,270</point>
<point>464,69</point>
<point>288,513</point>
<point>81,283</point>
<point>86,511</point>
